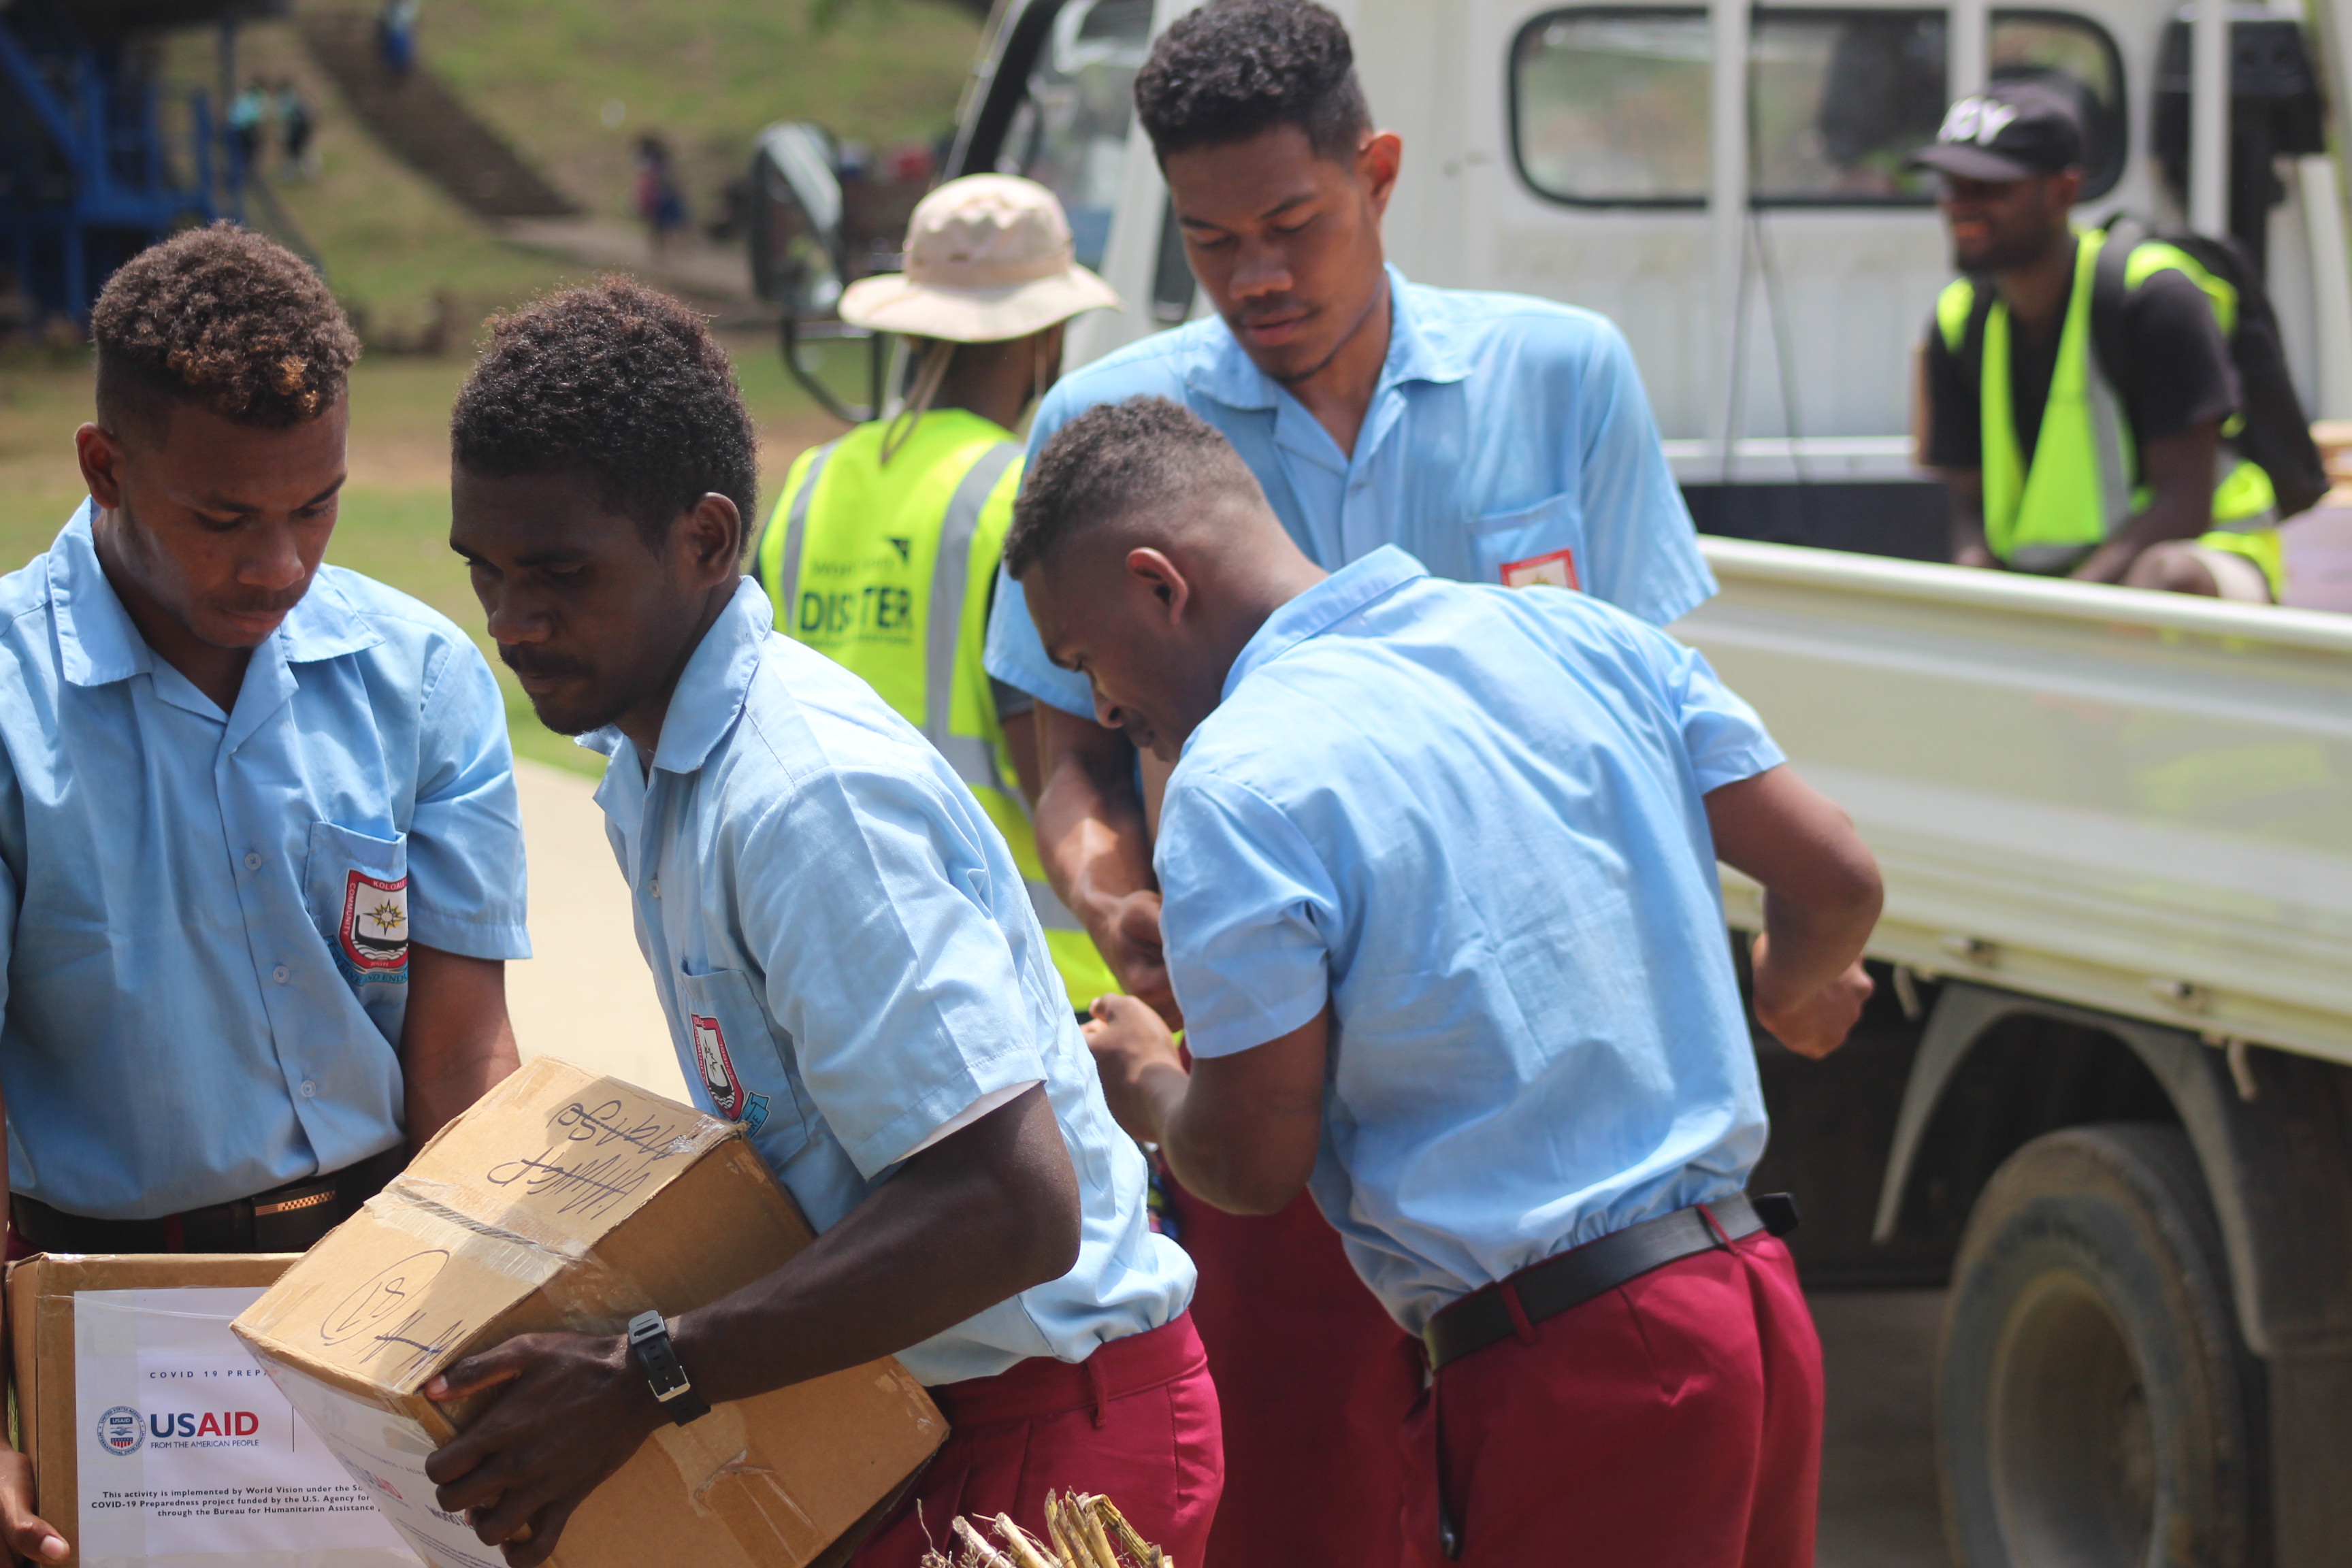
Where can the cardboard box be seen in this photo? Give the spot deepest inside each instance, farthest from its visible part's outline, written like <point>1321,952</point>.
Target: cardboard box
<point>567,1200</point>
<point>153,1437</point>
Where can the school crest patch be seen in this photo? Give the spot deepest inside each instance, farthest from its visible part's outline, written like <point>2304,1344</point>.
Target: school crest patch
<point>1555,570</point>
<point>371,943</point>
<point>719,1076</point>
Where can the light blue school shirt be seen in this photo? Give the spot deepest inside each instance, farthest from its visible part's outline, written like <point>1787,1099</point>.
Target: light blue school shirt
<point>1504,430</point>
<point>848,960</point>
<point>1471,819</point>
<point>204,917</point>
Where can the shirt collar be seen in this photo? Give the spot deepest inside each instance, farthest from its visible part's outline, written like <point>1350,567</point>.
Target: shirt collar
<point>1419,350</point>
<point>99,643</point>
<point>710,689</point>
<point>1323,606</point>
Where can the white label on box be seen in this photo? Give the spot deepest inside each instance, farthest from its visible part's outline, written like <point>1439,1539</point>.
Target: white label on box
<point>188,1456</point>
<point>386,1453</point>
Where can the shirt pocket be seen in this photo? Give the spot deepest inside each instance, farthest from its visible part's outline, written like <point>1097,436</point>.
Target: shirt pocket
<point>357,885</point>
<point>1531,546</point>
<point>742,1070</point>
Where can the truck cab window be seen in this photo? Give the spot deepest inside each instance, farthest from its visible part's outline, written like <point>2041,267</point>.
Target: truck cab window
<point>2076,53</point>
<point>1837,100</point>
<point>1610,106</point>
<point>1069,132</point>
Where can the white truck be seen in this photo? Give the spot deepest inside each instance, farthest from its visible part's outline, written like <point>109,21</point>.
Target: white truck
<point>2105,1092</point>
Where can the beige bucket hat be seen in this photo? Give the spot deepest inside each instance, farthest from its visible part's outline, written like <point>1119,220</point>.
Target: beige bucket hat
<point>989,259</point>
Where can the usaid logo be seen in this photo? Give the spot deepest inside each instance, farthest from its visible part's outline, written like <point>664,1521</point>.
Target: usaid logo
<point>120,1431</point>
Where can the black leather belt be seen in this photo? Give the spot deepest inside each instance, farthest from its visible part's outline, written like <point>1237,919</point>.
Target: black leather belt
<point>284,1220</point>
<point>1573,1277</point>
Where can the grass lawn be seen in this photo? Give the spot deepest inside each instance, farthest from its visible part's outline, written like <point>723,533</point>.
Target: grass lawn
<point>395,521</point>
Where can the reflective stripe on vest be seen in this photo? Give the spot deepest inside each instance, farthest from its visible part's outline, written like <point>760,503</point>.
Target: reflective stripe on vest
<point>777,562</point>
<point>2080,487</point>
<point>973,759</point>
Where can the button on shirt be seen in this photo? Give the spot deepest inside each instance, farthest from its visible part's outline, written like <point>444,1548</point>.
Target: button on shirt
<point>1503,431</point>
<point>1471,818</point>
<point>850,965</point>
<point>205,918</point>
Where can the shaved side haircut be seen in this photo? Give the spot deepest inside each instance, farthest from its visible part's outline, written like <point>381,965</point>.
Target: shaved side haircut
<point>225,318</point>
<point>1116,459</point>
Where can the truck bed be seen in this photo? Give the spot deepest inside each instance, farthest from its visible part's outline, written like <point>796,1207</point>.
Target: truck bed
<point>2135,802</point>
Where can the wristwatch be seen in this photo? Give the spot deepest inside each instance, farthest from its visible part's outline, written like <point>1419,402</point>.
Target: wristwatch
<point>649,1337</point>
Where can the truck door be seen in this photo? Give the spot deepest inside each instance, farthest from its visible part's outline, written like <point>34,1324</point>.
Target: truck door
<point>1055,103</point>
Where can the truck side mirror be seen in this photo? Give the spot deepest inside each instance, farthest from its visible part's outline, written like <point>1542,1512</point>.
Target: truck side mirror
<point>796,207</point>
<point>799,253</point>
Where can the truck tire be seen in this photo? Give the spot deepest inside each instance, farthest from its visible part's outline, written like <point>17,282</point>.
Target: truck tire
<point>2096,1406</point>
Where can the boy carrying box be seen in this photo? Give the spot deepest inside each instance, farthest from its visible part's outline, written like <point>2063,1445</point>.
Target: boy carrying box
<point>851,968</point>
<point>1441,912</point>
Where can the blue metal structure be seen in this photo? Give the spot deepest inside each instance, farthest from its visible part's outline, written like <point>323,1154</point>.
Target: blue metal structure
<point>96,162</point>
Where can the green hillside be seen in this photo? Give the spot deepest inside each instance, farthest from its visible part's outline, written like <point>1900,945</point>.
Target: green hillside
<point>706,75</point>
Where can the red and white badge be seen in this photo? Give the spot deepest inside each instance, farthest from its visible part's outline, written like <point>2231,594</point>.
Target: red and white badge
<point>1556,570</point>
<point>719,1078</point>
<point>374,931</point>
<point>717,1067</point>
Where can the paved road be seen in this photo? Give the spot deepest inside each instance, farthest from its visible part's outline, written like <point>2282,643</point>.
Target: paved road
<point>1878,1452</point>
<point>585,997</point>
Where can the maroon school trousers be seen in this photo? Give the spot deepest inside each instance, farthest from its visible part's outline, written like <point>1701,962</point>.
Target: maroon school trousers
<point>1135,1421</point>
<point>1315,1379</point>
<point>1674,1422</point>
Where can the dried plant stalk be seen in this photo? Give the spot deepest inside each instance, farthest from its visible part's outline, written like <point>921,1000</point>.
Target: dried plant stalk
<point>1022,1545</point>
<point>1145,1554</point>
<point>976,1546</point>
<point>1090,1532</point>
<point>1062,1526</point>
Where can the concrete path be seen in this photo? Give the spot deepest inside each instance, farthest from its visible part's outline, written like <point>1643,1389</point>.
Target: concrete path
<point>584,995</point>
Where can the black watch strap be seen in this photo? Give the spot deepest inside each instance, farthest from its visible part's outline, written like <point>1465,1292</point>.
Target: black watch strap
<point>649,1337</point>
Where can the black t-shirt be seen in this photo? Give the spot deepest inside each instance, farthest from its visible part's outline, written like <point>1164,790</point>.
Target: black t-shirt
<point>2184,375</point>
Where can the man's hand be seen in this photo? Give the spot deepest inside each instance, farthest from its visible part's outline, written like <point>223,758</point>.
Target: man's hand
<point>2180,468</point>
<point>24,1533</point>
<point>1136,1057</point>
<point>1814,1023</point>
<point>1097,850</point>
<point>2108,564</point>
<point>578,1407</point>
<point>1821,897</point>
<point>1965,488</point>
<point>1129,942</point>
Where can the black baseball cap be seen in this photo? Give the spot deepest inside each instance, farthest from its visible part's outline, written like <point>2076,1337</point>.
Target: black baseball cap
<point>2011,131</point>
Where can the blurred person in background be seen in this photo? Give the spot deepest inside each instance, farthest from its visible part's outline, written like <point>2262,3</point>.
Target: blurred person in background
<point>248,120</point>
<point>882,549</point>
<point>295,130</point>
<point>660,203</point>
<point>2084,409</point>
<point>395,32</point>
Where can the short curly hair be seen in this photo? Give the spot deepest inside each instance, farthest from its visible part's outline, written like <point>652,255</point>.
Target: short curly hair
<point>1233,69</point>
<point>1111,461</point>
<point>223,318</point>
<point>621,385</point>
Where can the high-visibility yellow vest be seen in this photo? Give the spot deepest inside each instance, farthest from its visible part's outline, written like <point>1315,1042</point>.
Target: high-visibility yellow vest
<point>2084,482</point>
<point>887,568</point>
